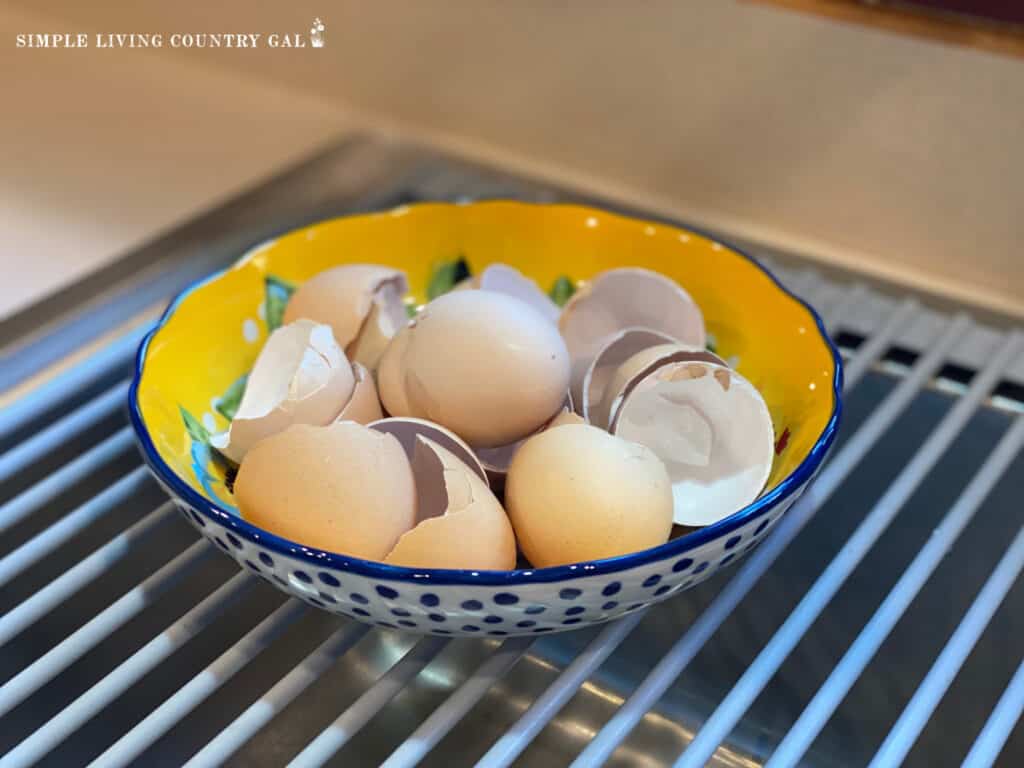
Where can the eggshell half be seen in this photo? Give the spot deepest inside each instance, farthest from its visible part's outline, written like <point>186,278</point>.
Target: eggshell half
<point>301,376</point>
<point>710,427</point>
<point>343,297</point>
<point>629,297</point>
<point>462,524</point>
<point>641,365</point>
<point>387,317</point>
<point>508,280</point>
<point>341,488</point>
<point>485,365</point>
<point>576,493</point>
<point>407,430</point>
<point>391,373</point>
<point>617,348</point>
<point>364,405</point>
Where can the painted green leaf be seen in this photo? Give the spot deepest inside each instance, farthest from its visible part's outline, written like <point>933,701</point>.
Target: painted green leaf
<point>227,404</point>
<point>711,344</point>
<point>276,295</point>
<point>562,290</point>
<point>446,276</point>
<point>194,427</point>
<point>411,311</point>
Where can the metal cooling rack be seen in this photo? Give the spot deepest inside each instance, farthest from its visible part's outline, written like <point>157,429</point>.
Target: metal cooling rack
<point>876,626</point>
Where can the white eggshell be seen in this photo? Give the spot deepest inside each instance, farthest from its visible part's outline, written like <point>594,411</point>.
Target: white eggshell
<point>341,488</point>
<point>483,364</point>
<point>301,376</point>
<point>576,493</point>
<point>617,348</point>
<point>343,297</point>
<point>628,297</point>
<point>710,427</point>
<point>407,430</point>
<point>364,405</point>
<point>508,280</point>
<point>461,523</point>
<point>386,318</point>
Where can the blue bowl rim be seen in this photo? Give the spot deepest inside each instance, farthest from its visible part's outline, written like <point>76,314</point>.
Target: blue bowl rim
<point>448,576</point>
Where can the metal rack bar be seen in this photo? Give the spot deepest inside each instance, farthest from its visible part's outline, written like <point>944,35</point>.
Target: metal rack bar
<point>74,522</point>
<point>446,716</point>
<point>818,711</point>
<point>63,386</point>
<point>831,477</point>
<point>1000,724</point>
<point>15,621</point>
<point>32,450</point>
<point>928,695</point>
<point>200,687</point>
<point>262,711</point>
<point>49,488</point>
<point>518,737</point>
<point>767,663</point>
<point>362,710</point>
<point>101,626</point>
<point>99,696</point>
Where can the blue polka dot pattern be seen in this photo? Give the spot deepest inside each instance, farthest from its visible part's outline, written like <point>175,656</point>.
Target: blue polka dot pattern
<point>302,576</point>
<point>762,526</point>
<point>328,579</point>
<point>609,605</point>
<point>438,617</point>
<point>574,610</point>
<point>357,598</point>
<point>505,598</point>
<point>407,623</point>
<point>533,610</point>
<point>266,559</point>
<point>497,632</point>
<point>327,598</point>
<point>233,540</point>
<point>386,592</point>
<point>472,605</point>
<point>430,600</point>
<point>400,612</point>
<point>360,612</point>
<point>662,590</point>
<point>526,624</point>
<point>732,542</point>
<point>682,565</point>
<point>725,560</point>
<point>252,566</point>
<point>493,619</point>
<point>650,581</point>
<point>611,589</point>
<point>572,621</point>
<point>470,628</point>
<point>199,520</point>
<point>701,568</point>
<point>570,593</point>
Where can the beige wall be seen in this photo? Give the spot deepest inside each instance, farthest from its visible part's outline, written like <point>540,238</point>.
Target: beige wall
<point>899,156</point>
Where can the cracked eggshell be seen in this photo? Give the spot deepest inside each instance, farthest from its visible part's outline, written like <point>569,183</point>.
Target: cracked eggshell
<point>461,523</point>
<point>710,427</point>
<point>343,298</point>
<point>485,365</point>
<point>407,430</point>
<point>502,278</point>
<point>641,365</point>
<point>364,405</point>
<point>616,350</point>
<point>629,297</point>
<point>390,375</point>
<point>301,376</point>
<point>341,488</point>
<point>386,318</point>
<point>576,493</point>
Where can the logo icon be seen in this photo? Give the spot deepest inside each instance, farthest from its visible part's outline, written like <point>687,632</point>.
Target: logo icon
<point>316,33</point>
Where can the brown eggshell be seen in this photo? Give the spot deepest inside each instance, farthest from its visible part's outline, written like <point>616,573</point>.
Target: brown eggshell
<point>576,493</point>
<point>617,349</point>
<point>364,405</point>
<point>463,524</point>
<point>407,429</point>
<point>508,280</point>
<point>301,376</point>
<point>628,297</point>
<point>710,427</point>
<point>341,488</point>
<point>342,297</point>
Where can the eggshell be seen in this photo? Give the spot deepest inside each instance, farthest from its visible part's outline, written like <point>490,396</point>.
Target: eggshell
<point>626,298</point>
<point>390,375</point>
<point>641,365</point>
<point>343,297</point>
<point>341,488</point>
<point>300,376</point>
<point>407,430</point>
<point>577,493</point>
<point>364,405</point>
<point>566,417</point>
<point>508,280</point>
<point>386,318</point>
<point>485,365</point>
<point>710,427</point>
<point>463,526</point>
<point>617,348</point>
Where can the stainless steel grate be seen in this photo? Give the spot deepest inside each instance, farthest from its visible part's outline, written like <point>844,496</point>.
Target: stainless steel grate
<point>877,625</point>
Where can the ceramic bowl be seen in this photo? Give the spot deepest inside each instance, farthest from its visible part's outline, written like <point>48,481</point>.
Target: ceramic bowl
<point>191,368</point>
